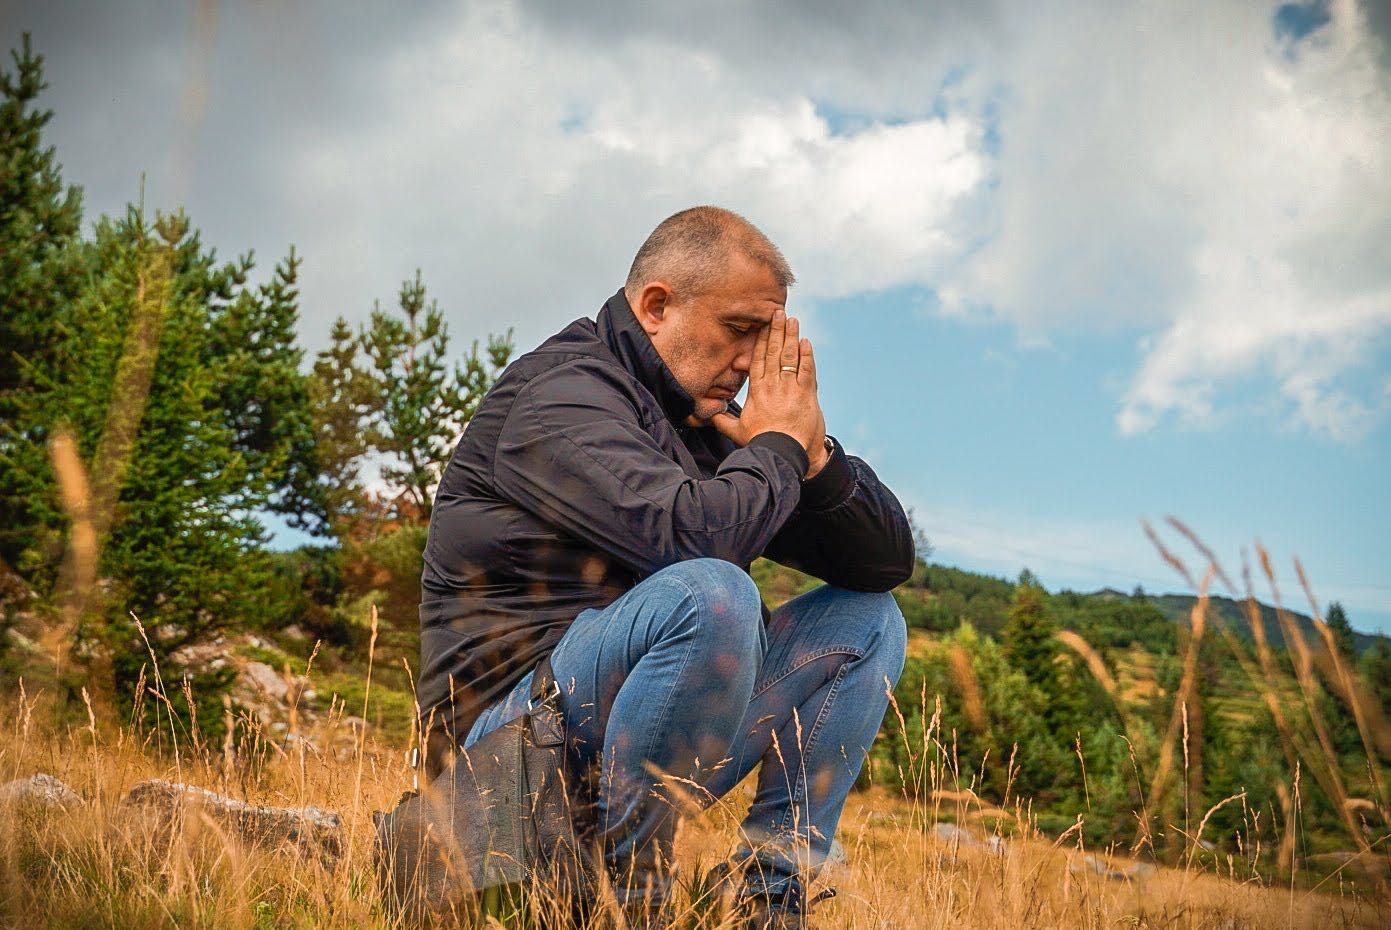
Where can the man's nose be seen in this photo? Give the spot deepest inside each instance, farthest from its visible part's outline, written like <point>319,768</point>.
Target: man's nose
<point>743,360</point>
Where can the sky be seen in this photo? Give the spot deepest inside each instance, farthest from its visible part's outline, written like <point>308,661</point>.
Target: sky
<point>1067,266</point>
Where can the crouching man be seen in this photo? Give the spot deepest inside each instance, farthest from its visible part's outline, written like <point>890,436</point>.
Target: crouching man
<point>603,507</point>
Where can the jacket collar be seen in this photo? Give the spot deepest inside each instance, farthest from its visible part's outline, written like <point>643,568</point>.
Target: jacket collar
<point>619,328</point>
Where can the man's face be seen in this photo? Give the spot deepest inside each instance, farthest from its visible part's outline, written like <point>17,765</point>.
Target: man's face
<point>707,340</point>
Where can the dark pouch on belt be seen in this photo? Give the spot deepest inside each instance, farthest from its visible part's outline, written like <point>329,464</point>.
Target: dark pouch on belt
<point>497,819</point>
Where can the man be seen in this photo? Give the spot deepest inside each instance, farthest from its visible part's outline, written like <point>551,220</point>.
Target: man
<point>603,506</point>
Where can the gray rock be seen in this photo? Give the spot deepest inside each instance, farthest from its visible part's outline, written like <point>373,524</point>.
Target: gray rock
<point>210,654</point>
<point>1116,871</point>
<point>951,833</point>
<point>313,831</point>
<point>267,680</point>
<point>41,789</point>
<point>1084,864</point>
<point>22,642</point>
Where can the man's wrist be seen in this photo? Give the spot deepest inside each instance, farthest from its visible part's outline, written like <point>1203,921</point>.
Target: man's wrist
<point>785,446</point>
<point>832,485</point>
<point>818,459</point>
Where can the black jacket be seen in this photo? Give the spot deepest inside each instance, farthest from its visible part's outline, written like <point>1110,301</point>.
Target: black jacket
<point>576,479</point>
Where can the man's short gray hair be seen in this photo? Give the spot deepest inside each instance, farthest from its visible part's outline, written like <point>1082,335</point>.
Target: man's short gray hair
<point>689,250</point>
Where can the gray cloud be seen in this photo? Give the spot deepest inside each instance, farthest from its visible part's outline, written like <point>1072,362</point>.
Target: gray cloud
<point>1163,167</point>
<point>1378,18</point>
<point>274,79</point>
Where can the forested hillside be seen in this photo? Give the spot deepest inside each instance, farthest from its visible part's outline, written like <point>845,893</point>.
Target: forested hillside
<point>157,405</point>
<point>1123,709</point>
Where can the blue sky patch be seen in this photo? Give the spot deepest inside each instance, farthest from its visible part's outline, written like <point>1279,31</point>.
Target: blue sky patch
<point>1295,21</point>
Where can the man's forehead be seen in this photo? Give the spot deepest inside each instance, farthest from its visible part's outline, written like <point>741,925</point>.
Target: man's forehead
<point>758,314</point>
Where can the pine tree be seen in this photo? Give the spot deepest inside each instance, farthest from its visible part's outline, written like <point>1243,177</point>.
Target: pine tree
<point>342,395</point>
<point>424,402</point>
<point>265,397</point>
<point>184,437</point>
<point>40,265</point>
<point>182,546</point>
<point>1028,638</point>
<point>1342,630</point>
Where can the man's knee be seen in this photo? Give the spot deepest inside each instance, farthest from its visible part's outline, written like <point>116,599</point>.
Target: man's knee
<point>881,624</point>
<point>723,603</point>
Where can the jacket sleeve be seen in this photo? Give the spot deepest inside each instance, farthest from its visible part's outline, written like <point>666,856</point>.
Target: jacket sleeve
<point>574,451</point>
<point>849,529</point>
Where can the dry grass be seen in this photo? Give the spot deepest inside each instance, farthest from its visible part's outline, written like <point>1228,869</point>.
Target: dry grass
<point>106,865</point>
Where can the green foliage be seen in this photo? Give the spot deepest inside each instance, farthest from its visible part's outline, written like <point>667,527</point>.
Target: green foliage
<point>1376,673</point>
<point>1028,637</point>
<point>183,549</point>
<point>179,383</point>
<point>1340,628</point>
<point>1115,622</point>
<point>940,598</point>
<point>265,398</point>
<point>422,403</point>
<point>342,395</point>
<point>40,270</point>
<point>1014,715</point>
<point>398,556</point>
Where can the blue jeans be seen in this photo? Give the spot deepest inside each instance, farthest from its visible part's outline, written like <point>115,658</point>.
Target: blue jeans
<point>675,691</point>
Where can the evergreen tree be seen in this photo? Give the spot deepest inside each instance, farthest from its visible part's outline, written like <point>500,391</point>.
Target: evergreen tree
<point>1342,630</point>
<point>175,428</point>
<point>265,397</point>
<point>424,402</point>
<point>1028,637</point>
<point>182,539</point>
<point>342,397</point>
<point>40,269</point>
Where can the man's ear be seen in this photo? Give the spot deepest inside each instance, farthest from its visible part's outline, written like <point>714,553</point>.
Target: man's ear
<point>651,306</point>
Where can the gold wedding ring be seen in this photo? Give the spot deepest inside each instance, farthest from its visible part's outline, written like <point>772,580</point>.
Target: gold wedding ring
<point>791,368</point>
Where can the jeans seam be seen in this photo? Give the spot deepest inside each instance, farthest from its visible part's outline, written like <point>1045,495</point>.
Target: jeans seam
<point>799,789</point>
<point>803,661</point>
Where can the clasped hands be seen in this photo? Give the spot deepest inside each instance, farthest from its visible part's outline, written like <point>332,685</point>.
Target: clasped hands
<point>782,393</point>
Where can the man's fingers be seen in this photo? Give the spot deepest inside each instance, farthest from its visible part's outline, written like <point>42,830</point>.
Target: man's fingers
<point>791,346</point>
<point>807,373</point>
<point>776,331</point>
<point>758,364</point>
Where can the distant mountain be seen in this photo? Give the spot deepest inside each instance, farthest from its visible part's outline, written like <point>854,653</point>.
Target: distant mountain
<point>1178,607</point>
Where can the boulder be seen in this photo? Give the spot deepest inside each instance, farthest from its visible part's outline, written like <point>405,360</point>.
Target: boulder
<point>40,789</point>
<point>312,831</point>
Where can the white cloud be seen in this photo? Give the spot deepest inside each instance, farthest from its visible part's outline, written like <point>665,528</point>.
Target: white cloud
<point>1172,168</point>
<point>535,168</point>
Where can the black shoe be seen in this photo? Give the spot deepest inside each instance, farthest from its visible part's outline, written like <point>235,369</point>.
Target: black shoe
<point>644,915</point>
<point>788,908</point>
